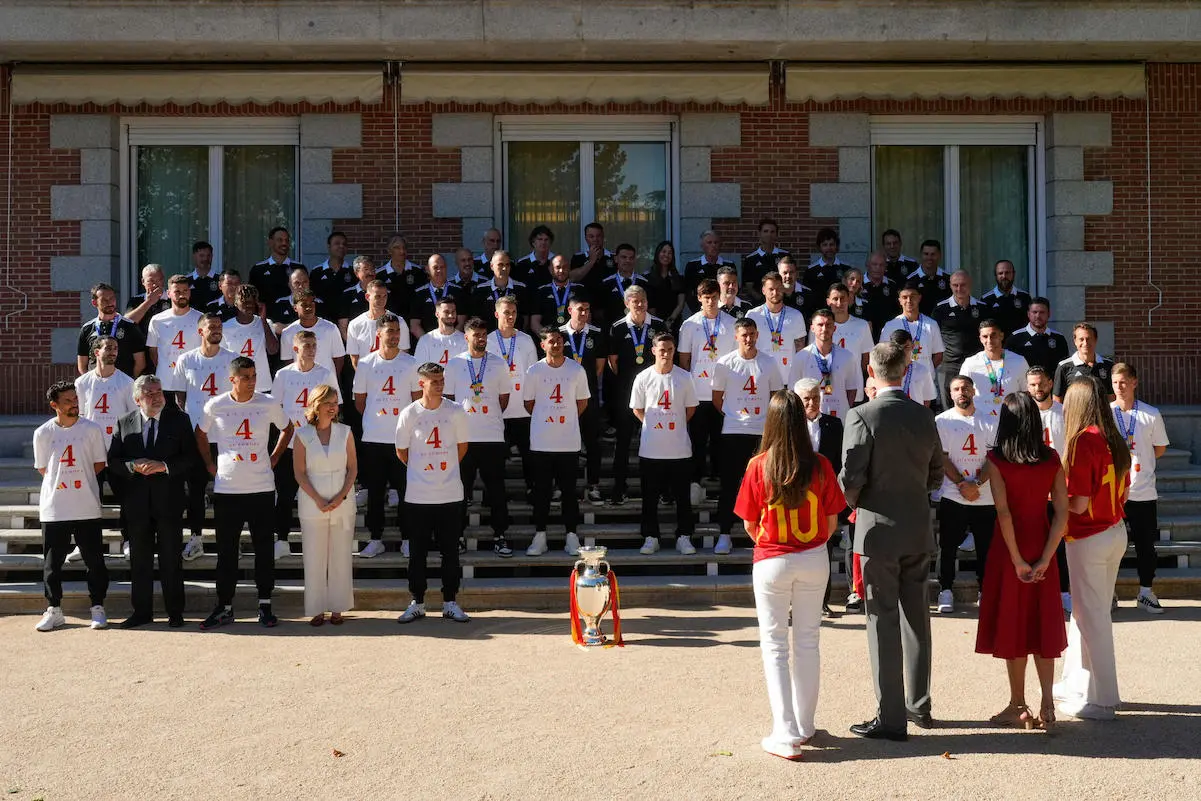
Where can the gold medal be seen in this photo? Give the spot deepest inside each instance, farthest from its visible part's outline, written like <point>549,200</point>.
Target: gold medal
<point>638,360</point>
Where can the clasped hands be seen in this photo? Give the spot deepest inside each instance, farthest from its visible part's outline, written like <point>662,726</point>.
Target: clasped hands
<point>1030,574</point>
<point>149,467</point>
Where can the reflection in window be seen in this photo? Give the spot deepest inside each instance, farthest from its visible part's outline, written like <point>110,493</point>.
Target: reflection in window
<point>631,194</point>
<point>544,189</point>
<point>172,205</point>
<point>259,193</point>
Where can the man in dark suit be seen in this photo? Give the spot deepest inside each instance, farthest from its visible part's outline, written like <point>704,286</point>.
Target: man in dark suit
<point>153,450</point>
<point>892,458</point>
<point>825,433</point>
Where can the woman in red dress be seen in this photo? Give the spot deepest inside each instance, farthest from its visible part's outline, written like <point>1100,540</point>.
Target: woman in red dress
<point>1021,613</point>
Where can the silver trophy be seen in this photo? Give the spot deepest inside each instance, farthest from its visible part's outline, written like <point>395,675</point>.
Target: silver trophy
<point>592,593</point>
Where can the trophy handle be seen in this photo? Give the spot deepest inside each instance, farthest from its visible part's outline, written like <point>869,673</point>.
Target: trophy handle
<point>606,565</point>
<point>578,564</point>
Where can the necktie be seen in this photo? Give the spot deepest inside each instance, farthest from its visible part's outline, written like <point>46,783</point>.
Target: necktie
<point>150,432</point>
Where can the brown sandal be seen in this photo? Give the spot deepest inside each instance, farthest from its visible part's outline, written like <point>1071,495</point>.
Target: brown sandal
<point>318,620</point>
<point>336,619</point>
<point>1012,715</point>
<point>1047,721</point>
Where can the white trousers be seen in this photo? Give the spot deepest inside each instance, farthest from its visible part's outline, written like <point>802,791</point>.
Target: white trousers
<point>327,543</point>
<point>796,582</point>
<point>1089,665</point>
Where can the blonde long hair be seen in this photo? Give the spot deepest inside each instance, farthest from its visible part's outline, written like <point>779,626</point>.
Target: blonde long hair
<point>789,461</point>
<point>1086,404</point>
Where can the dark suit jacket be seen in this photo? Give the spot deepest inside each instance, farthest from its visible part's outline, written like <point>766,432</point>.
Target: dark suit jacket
<point>174,444</point>
<point>891,460</point>
<point>830,442</point>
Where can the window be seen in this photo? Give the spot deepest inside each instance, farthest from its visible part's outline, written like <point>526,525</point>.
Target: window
<point>564,172</point>
<point>227,182</point>
<point>974,185</point>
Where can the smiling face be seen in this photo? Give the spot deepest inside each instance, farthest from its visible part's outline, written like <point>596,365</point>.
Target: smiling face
<point>502,265</point>
<point>180,294</point>
<point>811,400</point>
<point>389,336</point>
<point>837,301</point>
<point>560,270</point>
<point>711,246</point>
<point>150,400</point>
<point>506,315</point>
<point>1039,387</point>
<point>337,248</point>
<point>552,344</point>
<point>210,330</point>
<point>280,244</point>
<point>230,284</point>
<point>910,298</point>
<point>892,247</point>
<point>446,314</point>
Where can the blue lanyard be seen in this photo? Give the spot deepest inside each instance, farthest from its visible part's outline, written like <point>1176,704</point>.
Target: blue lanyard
<point>434,296</point>
<point>916,335</point>
<point>638,335</point>
<point>477,379</point>
<point>560,302</point>
<point>578,347</point>
<point>512,352</point>
<point>112,332</point>
<point>778,327</point>
<point>997,380</point>
<point>823,366</point>
<point>715,333</point>
<point>908,378</point>
<point>1117,413</point>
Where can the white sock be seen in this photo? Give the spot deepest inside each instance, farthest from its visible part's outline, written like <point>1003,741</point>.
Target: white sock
<point>1144,590</point>
<point>229,607</point>
<point>261,602</point>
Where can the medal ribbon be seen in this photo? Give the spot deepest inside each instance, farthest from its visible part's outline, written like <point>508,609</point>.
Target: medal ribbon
<point>995,379</point>
<point>712,336</point>
<point>916,335</point>
<point>908,378</point>
<point>560,302</point>
<point>477,379</point>
<point>112,332</point>
<point>777,328</point>
<point>824,367</point>
<point>1129,430</point>
<point>512,352</point>
<point>638,335</point>
<point>434,296</point>
<point>577,348</point>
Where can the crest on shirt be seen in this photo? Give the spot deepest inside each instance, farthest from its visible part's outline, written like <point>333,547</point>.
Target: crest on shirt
<point>942,284</point>
<point>1017,303</point>
<point>1103,373</point>
<point>975,311</point>
<point>409,279</point>
<point>1051,342</point>
<point>589,342</point>
<point>120,334</point>
<point>887,291</point>
<point>213,286</point>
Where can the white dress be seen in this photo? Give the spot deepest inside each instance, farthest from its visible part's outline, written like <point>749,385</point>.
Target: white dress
<point>326,469</point>
<point>326,536</point>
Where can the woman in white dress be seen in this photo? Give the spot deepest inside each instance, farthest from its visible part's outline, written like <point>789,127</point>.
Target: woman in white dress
<point>325,464</point>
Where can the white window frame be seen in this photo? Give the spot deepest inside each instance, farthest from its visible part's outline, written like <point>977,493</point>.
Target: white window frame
<point>585,129</point>
<point>954,131</point>
<point>216,134</point>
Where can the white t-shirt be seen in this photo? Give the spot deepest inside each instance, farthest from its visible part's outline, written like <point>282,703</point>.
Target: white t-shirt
<point>491,379</point>
<point>439,348</point>
<point>919,382</point>
<point>291,390</point>
<point>747,385</point>
<point>1144,425</point>
<point>854,335</point>
<point>250,341</point>
<point>927,338</point>
<point>843,374</point>
<point>104,401</point>
<point>790,324</point>
<point>707,340</point>
<point>517,363</point>
<point>329,343</point>
<point>1009,372</point>
<point>69,456</point>
<point>362,337</point>
<point>174,335</point>
<point>555,421</point>
<point>1053,428</point>
<point>389,385</point>
<point>966,442</point>
<point>432,438</point>
<point>204,378</point>
<point>665,400</point>
<point>240,431</point>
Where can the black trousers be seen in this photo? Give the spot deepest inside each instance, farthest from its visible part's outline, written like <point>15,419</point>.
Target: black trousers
<point>627,425</point>
<point>285,495</point>
<point>257,511</point>
<point>954,520</point>
<point>1142,525</point>
<point>56,544</point>
<point>658,477</point>
<point>560,470</point>
<point>442,523</point>
<point>379,469</point>
<point>517,433</point>
<point>153,532</point>
<point>704,429</point>
<point>736,451</point>
<point>487,459</point>
<point>590,434</point>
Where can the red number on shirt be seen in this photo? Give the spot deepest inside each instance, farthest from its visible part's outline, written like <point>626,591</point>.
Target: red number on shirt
<point>243,430</point>
<point>210,384</point>
<point>749,386</point>
<point>969,445</point>
<point>665,401</point>
<point>389,387</point>
<point>68,456</point>
<point>1047,436</point>
<point>556,394</point>
<point>303,398</point>
<point>434,439</point>
<point>375,344</point>
<point>445,356</point>
<point>178,340</point>
<point>102,404</point>
<point>248,349</point>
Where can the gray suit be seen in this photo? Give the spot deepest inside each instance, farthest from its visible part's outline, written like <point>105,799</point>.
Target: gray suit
<point>892,458</point>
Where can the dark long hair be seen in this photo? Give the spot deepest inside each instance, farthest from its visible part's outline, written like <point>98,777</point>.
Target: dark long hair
<point>671,268</point>
<point>1020,431</point>
<point>789,462</point>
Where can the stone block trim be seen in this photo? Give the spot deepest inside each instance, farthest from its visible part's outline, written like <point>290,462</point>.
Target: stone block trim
<point>331,130</point>
<point>710,130</point>
<point>1081,267</point>
<point>849,199</point>
<point>331,201</point>
<point>695,164</point>
<point>79,273</point>
<point>701,199</point>
<point>78,131</point>
<point>839,130</point>
<point>321,200</point>
<point>1080,129</point>
<point>90,202</point>
<point>462,200</point>
<point>63,342</point>
<point>462,130</point>
<point>1080,197</point>
<point>710,200</point>
<point>472,199</point>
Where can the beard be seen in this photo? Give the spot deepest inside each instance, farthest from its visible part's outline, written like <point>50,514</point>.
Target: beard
<point>963,403</point>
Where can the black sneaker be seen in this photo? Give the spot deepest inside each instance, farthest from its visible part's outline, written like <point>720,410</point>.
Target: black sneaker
<point>501,548</point>
<point>219,617</point>
<point>618,499</point>
<point>267,618</point>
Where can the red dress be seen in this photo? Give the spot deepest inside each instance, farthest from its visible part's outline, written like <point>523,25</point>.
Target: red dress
<point>1018,619</point>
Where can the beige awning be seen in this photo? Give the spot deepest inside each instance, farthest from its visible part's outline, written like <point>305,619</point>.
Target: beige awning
<point>131,86</point>
<point>827,82</point>
<point>736,85</point>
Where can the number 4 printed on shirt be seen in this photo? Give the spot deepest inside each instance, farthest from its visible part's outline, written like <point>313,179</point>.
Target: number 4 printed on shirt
<point>749,387</point>
<point>248,349</point>
<point>178,340</point>
<point>102,404</point>
<point>969,445</point>
<point>434,439</point>
<point>243,429</point>
<point>556,394</point>
<point>665,400</point>
<point>389,387</point>
<point>210,384</point>
<point>68,457</point>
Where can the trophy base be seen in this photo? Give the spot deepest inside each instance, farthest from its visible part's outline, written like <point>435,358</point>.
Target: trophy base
<point>593,637</point>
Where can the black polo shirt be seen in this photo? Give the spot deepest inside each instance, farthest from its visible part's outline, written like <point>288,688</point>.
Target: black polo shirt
<point>329,284</point>
<point>878,305</point>
<point>129,341</point>
<point>163,304</point>
<point>1072,368</point>
<point>1007,309</point>
<point>934,288</point>
<point>662,294</point>
<point>696,271</point>
<point>425,301</point>
<point>282,311</point>
<point>530,271</point>
<point>604,267</point>
<point>960,329</point>
<point>553,310</point>
<point>204,289</point>
<point>484,296</point>
<point>899,270</point>
<point>1047,349</point>
<point>758,264</point>
<point>354,302</point>
<point>270,278</point>
<point>611,297</point>
<point>621,344</point>
<point>820,276</point>
<point>227,312</point>
<point>587,345</point>
<point>739,309</point>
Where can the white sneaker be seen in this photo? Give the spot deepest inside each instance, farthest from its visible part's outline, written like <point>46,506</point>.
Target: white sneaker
<point>404,548</point>
<point>684,545</point>
<point>557,495</point>
<point>1066,599</point>
<point>52,619</point>
<point>650,546</point>
<point>946,602</point>
<point>194,549</point>
<point>594,496</point>
<point>125,548</point>
<point>571,544</point>
<point>845,543</point>
<point>75,555</point>
<point>969,544</point>
<point>393,498</point>
<point>282,549</point>
<point>696,494</point>
<point>1149,603</point>
<point>372,549</point>
<point>538,545</point>
<point>360,497</point>
<point>723,545</point>
<point>453,611</point>
<point>99,618</point>
<point>413,612</point>
<point>784,750</point>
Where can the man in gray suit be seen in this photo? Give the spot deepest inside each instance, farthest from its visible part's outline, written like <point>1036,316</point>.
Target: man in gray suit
<point>892,458</point>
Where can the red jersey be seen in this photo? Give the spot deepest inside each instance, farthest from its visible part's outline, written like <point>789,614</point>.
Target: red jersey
<point>1091,474</point>
<point>784,530</point>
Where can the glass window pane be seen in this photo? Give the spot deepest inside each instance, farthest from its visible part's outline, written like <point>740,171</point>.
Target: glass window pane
<point>259,194</point>
<point>994,212</point>
<point>172,205</point>
<point>631,194</point>
<point>909,194</point>
<point>544,189</point>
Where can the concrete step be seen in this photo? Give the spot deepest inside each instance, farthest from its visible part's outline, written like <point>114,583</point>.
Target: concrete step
<point>1186,479</point>
<point>1174,459</point>
<point>18,468</point>
<point>16,432</point>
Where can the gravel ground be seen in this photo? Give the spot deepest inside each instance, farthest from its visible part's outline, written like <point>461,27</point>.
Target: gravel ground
<point>506,707</point>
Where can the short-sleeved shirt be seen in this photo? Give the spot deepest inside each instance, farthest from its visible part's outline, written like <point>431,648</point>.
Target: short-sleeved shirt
<point>934,288</point>
<point>759,263</point>
<point>778,333</point>
<point>1053,430</point>
<point>291,389</point>
<point>665,399</point>
<point>611,294</point>
<point>550,302</point>
<point>854,335</point>
<point>1091,474</point>
<point>130,341</point>
<point>746,386</point>
<point>624,339</point>
<point>820,276</point>
<point>966,440</point>
<point>518,354</point>
<point>484,297</point>
<point>707,341</point>
<point>927,340</point>
<point>241,431</point>
<point>439,348</point>
<point>228,311</point>
<point>918,382</point>
<point>476,385</point>
<point>388,385</point>
<point>1007,308</point>
<point>696,271</point>
<point>249,340</point>
<point>584,347</point>
<point>1143,429</point>
<point>329,343</point>
<point>1074,367</point>
<point>960,328</point>
<point>995,378</point>
<point>362,336</point>
<point>837,373</point>
<point>788,530</point>
<point>1046,349</point>
<point>204,378</point>
<point>555,422</point>
<point>432,438</point>
<point>879,304</point>
<point>104,401</point>
<point>204,288</point>
<point>162,305</point>
<point>424,304</point>
<point>69,455</point>
<point>270,277</point>
<point>174,335</point>
<point>328,284</point>
<point>737,309</point>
